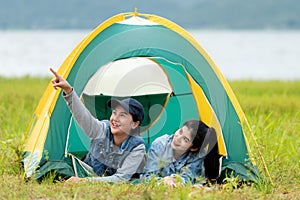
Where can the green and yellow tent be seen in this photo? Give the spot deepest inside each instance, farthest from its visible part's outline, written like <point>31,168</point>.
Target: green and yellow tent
<point>153,60</point>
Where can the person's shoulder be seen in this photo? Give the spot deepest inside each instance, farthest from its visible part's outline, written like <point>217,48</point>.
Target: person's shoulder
<point>106,124</point>
<point>137,140</point>
<point>162,138</point>
<point>105,121</point>
<point>161,141</point>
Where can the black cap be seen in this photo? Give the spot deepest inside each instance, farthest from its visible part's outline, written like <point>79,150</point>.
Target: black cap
<point>134,107</point>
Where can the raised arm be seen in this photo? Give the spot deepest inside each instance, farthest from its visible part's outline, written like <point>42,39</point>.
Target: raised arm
<point>92,126</point>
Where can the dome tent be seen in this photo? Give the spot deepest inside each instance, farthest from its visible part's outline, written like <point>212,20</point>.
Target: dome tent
<point>151,59</point>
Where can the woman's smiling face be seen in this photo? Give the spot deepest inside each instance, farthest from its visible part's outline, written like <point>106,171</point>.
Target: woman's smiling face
<point>182,140</point>
<point>121,121</point>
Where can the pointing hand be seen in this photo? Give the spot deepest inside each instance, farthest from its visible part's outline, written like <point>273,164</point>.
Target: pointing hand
<point>60,82</point>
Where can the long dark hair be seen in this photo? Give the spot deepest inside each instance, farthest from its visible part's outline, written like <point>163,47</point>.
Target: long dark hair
<point>205,136</point>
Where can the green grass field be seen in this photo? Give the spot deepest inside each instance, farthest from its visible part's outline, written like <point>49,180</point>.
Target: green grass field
<point>272,109</point>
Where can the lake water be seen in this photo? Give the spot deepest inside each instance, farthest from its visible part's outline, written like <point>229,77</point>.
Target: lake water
<point>255,55</point>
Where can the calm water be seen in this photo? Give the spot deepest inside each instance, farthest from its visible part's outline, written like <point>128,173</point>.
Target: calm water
<point>253,55</point>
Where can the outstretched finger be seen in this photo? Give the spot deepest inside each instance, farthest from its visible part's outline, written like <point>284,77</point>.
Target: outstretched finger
<point>54,73</point>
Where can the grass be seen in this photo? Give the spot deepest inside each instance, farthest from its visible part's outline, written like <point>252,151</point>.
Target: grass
<point>272,109</point>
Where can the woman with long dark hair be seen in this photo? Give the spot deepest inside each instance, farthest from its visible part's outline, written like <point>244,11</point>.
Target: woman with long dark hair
<point>180,158</point>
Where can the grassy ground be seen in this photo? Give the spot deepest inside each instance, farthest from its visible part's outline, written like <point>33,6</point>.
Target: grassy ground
<point>272,109</point>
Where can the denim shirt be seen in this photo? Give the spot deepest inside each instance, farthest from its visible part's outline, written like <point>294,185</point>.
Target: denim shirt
<point>102,157</point>
<point>160,162</point>
<point>109,163</point>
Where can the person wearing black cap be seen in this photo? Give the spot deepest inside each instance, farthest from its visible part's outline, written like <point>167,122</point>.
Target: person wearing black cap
<point>117,151</point>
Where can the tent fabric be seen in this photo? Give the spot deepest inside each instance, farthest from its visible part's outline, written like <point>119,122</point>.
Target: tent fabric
<point>149,58</point>
<point>150,80</point>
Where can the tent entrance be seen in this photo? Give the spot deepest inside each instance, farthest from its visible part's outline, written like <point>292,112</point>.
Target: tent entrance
<point>150,81</point>
<point>139,78</point>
